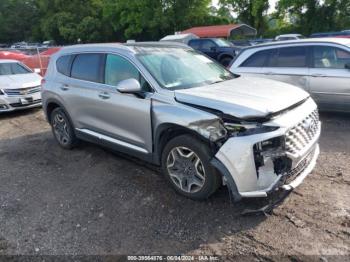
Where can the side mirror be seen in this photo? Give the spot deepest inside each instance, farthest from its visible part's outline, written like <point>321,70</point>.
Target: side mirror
<point>347,66</point>
<point>129,86</point>
<point>213,48</point>
<point>37,70</point>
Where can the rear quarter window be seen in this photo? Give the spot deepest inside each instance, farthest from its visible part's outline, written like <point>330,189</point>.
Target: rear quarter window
<point>257,59</point>
<point>63,65</point>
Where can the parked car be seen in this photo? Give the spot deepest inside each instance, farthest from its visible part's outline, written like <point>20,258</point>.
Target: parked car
<point>289,37</point>
<point>330,34</point>
<point>19,86</point>
<point>174,107</point>
<point>216,48</point>
<point>319,66</point>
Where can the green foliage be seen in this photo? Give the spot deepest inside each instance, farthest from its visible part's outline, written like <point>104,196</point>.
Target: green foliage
<point>310,16</point>
<point>67,21</point>
<point>251,12</point>
<point>17,18</point>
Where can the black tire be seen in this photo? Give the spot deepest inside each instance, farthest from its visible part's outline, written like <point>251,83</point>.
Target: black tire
<point>60,123</point>
<point>212,179</point>
<point>226,61</point>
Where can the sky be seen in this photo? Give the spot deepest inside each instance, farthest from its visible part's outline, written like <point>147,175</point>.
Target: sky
<point>271,2</point>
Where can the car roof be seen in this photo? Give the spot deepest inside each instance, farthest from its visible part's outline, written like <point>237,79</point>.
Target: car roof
<point>286,35</point>
<point>341,41</point>
<point>127,47</point>
<point>3,61</point>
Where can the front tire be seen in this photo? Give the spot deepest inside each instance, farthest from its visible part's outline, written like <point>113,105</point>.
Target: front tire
<point>62,129</point>
<point>186,166</point>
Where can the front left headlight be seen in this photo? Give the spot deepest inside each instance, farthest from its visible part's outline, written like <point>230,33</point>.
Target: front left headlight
<point>248,129</point>
<point>1,92</point>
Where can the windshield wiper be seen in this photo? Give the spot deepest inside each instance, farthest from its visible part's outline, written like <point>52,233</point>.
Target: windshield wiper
<point>215,82</point>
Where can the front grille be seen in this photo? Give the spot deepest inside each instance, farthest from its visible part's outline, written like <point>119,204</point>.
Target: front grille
<point>22,91</point>
<point>292,174</point>
<point>24,105</point>
<point>303,133</point>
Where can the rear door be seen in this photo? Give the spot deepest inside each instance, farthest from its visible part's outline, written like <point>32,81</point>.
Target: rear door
<point>330,80</point>
<point>80,88</point>
<point>290,65</point>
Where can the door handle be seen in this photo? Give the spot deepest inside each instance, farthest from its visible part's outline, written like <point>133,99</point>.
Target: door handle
<point>318,75</point>
<point>64,87</point>
<point>104,95</point>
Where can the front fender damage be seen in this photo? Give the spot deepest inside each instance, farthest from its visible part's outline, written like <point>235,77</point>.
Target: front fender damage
<point>205,124</point>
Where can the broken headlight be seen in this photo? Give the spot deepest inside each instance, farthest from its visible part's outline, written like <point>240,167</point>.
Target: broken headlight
<point>248,129</point>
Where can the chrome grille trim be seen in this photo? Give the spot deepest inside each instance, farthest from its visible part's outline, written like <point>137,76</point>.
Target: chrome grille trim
<point>22,91</point>
<point>301,135</point>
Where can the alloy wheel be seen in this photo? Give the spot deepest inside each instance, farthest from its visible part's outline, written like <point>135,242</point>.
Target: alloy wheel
<point>60,128</point>
<point>186,169</point>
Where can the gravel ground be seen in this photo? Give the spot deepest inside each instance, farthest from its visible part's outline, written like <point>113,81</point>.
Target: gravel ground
<point>92,201</point>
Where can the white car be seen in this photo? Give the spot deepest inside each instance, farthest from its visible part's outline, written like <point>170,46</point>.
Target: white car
<point>19,86</point>
<point>289,37</point>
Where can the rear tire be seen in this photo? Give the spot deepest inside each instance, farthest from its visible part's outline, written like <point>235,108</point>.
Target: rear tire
<point>186,166</point>
<point>62,129</point>
<point>226,61</point>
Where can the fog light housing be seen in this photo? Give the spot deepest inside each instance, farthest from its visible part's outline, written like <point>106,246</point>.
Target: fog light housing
<point>272,150</point>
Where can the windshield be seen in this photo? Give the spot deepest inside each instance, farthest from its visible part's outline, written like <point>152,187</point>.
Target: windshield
<point>13,69</point>
<point>175,68</point>
<point>222,42</point>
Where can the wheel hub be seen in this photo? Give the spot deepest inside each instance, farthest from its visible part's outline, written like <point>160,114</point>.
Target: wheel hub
<point>186,169</point>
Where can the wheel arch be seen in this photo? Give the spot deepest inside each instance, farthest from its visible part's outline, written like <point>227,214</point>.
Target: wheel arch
<point>52,104</point>
<point>168,131</point>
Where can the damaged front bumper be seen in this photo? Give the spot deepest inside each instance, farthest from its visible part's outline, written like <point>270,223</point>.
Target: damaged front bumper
<point>237,161</point>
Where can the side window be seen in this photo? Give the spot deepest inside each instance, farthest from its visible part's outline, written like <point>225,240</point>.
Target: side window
<point>87,67</point>
<point>119,69</point>
<point>207,44</point>
<point>258,59</point>
<point>290,57</point>
<point>63,65</point>
<point>195,44</point>
<point>330,57</point>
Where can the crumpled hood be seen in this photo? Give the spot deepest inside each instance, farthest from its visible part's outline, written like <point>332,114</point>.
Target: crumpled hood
<point>244,97</point>
<point>19,81</point>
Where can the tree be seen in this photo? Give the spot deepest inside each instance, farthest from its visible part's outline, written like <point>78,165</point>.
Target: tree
<point>17,18</point>
<point>153,19</point>
<point>251,12</point>
<point>311,16</point>
<point>67,21</point>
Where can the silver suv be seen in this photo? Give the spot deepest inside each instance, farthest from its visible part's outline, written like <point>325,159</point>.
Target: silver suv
<point>169,105</point>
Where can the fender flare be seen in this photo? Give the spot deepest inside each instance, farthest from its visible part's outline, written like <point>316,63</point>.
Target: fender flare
<point>231,184</point>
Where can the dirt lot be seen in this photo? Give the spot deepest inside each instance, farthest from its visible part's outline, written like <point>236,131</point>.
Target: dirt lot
<point>91,201</point>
